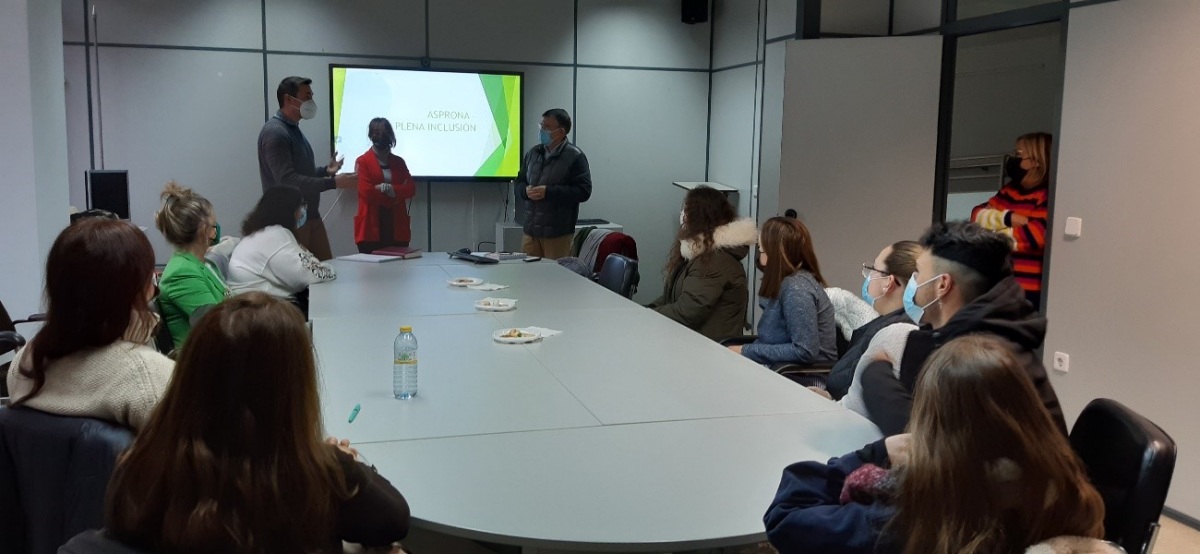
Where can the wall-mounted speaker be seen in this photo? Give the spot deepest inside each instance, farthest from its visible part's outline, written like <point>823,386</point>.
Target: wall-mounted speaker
<point>109,190</point>
<point>695,11</point>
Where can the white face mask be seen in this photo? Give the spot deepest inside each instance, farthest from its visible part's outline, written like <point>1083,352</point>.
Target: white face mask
<point>308,109</point>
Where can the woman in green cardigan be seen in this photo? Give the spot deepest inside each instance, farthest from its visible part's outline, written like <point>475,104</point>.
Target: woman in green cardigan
<point>189,282</point>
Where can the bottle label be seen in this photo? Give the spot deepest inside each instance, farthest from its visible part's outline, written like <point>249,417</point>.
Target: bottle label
<point>405,359</point>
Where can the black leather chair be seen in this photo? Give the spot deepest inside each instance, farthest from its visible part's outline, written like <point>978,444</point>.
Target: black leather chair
<point>54,473</point>
<point>619,274</point>
<point>809,375</point>
<point>1130,461</point>
<point>11,340</point>
<point>163,341</point>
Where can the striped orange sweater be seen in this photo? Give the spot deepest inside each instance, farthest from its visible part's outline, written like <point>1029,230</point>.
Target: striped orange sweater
<point>1029,240</point>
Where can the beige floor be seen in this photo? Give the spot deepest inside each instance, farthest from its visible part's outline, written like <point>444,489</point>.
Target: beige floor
<point>1177,538</point>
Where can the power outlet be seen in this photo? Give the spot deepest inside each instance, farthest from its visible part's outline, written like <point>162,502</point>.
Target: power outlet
<point>1062,362</point>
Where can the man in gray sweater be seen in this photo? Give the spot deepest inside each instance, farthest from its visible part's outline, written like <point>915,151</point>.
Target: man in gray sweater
<point>285,158</point>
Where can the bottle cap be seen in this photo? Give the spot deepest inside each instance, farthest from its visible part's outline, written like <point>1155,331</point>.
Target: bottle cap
<point>406,329</point>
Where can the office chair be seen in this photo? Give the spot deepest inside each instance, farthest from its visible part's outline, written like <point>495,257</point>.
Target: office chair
<point>619,274</point>
<point>163,341</point>
<point>10,341</point>
<point>54,473</point>
<point>1130,461</point>
<point>808,375</point>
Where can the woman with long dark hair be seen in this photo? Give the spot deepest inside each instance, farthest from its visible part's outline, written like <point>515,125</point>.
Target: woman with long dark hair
<point>705,283</point>
<point>797,323</point>
<point>268,259</point>
<point>233,459</point>
<point>983,470</point>
<point>384,188</point>
<point>91,357</point>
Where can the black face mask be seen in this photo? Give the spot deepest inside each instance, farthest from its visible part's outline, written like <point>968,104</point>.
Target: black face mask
<point>1012,168</point>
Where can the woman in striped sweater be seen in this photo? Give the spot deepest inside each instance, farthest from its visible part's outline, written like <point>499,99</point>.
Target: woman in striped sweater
<point>1019,210</point>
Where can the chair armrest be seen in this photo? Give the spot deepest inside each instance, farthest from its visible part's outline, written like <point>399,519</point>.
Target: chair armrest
<point>788,368</point>
<point>734,341</point>
<point>31,319</point>
<point>10,340</point>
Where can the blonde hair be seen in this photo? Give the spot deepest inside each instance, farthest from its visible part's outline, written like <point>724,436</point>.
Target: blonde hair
<point>1037,147</point>
<point>182,213</point>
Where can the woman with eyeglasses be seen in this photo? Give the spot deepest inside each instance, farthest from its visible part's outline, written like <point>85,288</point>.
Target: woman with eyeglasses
<point>269,259</point>
<point>884,280</point>
<point>1020,209</point>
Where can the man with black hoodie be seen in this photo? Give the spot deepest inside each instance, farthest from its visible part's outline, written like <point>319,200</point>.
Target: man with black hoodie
<point>963,285</point>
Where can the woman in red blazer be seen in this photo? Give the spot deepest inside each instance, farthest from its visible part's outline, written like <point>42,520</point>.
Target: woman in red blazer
<point>384,188</point>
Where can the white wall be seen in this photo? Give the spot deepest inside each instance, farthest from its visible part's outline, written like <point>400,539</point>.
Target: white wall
<point>859,17</point>
<point>736,92</point>
<point>747,105</point>
<point>1007,83</point>
<point>1123,305</point>
<point>859,138</point>
<point>186,92</point>
<point>769,183</point>
<point>916,15</point>
<point>976,8</point>
<point>32,148</point>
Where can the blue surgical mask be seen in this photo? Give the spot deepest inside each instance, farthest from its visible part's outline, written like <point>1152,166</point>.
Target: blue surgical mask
<point>216,238</point>
<point>303,217</point>
<point>911,308</point>
<point>545,138</point>
<point>866,293</point>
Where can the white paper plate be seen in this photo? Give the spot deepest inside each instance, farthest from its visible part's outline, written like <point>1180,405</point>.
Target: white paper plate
<point>528,337</point>
<point>464,281</point>
<point>495,305</point>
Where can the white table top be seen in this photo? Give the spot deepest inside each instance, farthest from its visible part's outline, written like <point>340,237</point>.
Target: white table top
<point>626,432</point>
<point>466,384</point>
<point>410,289</point>
<point>633,366</point>
<point>653,487</point>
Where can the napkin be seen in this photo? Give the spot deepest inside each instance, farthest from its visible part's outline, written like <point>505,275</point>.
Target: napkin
<point>487,286</point>
<point>544,332</point>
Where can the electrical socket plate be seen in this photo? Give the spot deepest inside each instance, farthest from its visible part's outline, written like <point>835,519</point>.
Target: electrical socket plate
<point>1062,361</point>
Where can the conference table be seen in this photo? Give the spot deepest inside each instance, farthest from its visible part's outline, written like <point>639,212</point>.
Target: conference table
<point>627,432</point>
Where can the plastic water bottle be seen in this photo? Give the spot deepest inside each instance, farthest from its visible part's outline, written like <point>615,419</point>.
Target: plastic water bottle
<point>404,368</point>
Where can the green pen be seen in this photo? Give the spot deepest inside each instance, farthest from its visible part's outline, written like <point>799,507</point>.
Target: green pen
<point>354,412</point>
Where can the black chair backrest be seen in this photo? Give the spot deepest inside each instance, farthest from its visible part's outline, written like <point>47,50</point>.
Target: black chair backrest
<point>96,542</point>
<point>6,322</point>
<point>163,341</point>
<point>843,343</point>
<point>1130,461</point>
<point>54,473</point>
<point>619,274</point>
